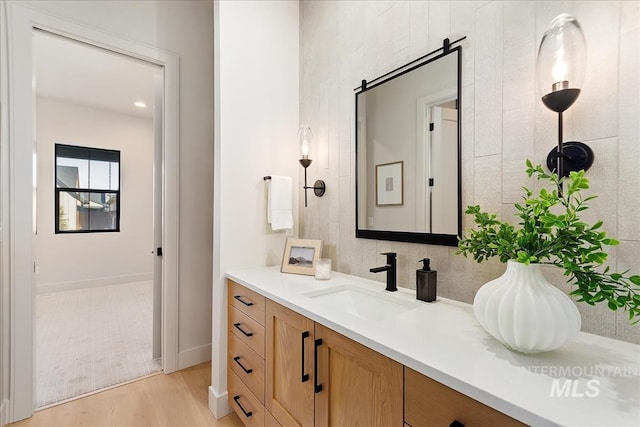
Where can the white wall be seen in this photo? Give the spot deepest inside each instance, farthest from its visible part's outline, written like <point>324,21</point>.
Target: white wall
<point>72,261</point>
<point>132,19</point>
<point>503,121</point>
<point>256,135</point>
<point>186,29</point>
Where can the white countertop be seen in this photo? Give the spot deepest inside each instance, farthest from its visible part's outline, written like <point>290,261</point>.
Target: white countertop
<point>444,341</point>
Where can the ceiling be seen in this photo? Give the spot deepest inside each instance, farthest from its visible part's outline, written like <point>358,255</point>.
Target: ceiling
<point>75,72</point>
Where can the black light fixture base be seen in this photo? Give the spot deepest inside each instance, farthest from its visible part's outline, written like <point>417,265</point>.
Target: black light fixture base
<point>577,156</point>
<point>305,162</point>
<point>560,100</point>
<point>319,188</point>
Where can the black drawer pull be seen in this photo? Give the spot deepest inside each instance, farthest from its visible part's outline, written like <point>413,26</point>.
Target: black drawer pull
<point>237,360</point>
<point>456,423</point>
<point>239,298</point>
<point>317,387</point>
<point>246,334</point>
<point>305,377</point>
<point>237,400</point>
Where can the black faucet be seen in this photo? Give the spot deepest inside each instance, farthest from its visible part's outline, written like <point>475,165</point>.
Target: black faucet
<point>390,268</point>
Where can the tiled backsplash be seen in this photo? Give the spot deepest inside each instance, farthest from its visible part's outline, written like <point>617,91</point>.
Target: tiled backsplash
<point>503,123</point>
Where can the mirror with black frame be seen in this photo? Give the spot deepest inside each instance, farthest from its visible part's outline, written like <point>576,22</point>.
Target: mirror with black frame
<point>408,179</point>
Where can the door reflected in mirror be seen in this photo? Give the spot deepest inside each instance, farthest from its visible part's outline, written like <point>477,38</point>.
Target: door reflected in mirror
<point>412,118</point>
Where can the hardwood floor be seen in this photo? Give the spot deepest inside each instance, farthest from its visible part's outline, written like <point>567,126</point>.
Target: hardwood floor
<point>178,399</point>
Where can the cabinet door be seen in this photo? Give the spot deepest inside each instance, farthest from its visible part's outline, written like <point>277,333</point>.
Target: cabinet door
<point>289,366</point>
<point>429,403</point>
<point>359,386</point>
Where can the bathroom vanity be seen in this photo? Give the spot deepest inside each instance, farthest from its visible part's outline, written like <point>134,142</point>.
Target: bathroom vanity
<point>345,352</point>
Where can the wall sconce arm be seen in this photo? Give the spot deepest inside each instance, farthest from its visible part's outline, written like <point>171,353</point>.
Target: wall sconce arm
<point>319,187</point>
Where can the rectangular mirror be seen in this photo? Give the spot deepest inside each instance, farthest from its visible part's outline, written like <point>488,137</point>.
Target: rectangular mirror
<point>408,185</point>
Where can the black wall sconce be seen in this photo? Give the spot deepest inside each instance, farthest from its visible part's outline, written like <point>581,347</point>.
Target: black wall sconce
<point>560,68</point>
<point>305,136</point>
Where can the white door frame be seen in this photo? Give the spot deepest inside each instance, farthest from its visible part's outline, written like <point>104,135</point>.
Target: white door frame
<point>19,193</point>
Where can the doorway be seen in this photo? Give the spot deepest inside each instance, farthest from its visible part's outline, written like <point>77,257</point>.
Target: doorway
<point>442,161</point>
<point>95,314</point>
<point>18,195</point>
<point>437,165</point>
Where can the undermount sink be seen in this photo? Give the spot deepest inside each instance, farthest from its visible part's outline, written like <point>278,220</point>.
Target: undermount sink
<point>374,305</point>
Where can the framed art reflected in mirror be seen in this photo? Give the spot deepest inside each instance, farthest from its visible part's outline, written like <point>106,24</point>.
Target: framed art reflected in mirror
<point>389,184</point>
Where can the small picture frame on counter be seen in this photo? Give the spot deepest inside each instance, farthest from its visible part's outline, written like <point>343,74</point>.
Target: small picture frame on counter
<point>301,256</point>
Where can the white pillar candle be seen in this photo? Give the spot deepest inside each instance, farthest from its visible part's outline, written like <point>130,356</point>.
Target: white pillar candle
<point>323,269</point>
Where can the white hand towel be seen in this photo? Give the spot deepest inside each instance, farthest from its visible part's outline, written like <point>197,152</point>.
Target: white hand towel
<point>280,203</point>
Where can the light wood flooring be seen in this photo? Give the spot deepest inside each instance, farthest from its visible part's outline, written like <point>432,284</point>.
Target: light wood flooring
<point>178,399</point>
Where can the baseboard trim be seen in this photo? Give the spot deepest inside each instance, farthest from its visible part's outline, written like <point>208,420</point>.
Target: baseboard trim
<point>219,404</point>
<point>91,393</point>
<point>91,283</point>
<point>194,356</point>
<point>4,413</point>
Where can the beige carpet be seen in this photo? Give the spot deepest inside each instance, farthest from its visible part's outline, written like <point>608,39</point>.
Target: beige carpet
<point>93,338</point>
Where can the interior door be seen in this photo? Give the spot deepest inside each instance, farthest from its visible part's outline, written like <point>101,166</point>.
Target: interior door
<point>289,393</point>
<point>157,214</point>
<point>358,386</point>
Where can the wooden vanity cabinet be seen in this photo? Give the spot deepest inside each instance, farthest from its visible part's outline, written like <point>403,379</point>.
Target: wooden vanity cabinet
<point>429,403</point>
<point>286,370</point>
<point>354,385</point>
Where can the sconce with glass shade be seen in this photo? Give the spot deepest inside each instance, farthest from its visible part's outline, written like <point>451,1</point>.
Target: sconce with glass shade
<point>305,137</point>
<point>560,71</point>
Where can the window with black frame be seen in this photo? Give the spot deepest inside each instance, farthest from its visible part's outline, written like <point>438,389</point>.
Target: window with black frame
<point>87,189</point>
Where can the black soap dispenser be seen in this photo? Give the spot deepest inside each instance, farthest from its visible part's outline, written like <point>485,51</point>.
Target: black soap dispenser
<point>426,282</point>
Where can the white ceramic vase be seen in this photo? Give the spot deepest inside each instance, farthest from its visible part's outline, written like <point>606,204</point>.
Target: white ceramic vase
<point>525,312</point>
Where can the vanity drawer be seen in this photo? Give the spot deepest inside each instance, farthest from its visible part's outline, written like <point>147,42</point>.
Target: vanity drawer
<point>247,365</point>
<point>247,301</point>
<point>248,330</point>
<point>244,403</point>
<point>429,403</point>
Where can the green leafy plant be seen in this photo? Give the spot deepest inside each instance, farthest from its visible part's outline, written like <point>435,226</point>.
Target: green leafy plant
<point>551,232</point>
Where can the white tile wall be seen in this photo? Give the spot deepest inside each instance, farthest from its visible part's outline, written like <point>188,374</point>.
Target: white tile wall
<point>629,128</point>
<point>503,122</point>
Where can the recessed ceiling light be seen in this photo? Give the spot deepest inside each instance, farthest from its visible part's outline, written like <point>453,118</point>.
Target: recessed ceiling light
<point>140,104</point>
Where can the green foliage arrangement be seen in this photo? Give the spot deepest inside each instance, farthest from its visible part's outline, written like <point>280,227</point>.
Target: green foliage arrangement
<point>551,232</point>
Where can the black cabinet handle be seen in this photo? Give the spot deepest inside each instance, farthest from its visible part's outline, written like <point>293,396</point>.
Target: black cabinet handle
<point>246,334</point>
<point>317,387</point>
<point>305,377</point>
<point>456,423</point>
<point>237,400</point>
<point>237,360</point>
<point>239,298</point>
